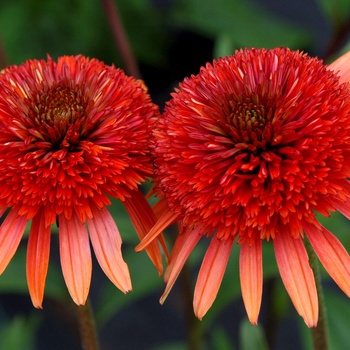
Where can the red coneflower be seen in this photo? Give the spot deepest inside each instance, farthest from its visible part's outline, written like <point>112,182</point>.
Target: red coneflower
<point>250,149</point>
<point>72,133</point>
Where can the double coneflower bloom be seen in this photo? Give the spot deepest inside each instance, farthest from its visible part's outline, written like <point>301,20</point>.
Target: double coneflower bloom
<point>72,133</point>
<point>248,150</point>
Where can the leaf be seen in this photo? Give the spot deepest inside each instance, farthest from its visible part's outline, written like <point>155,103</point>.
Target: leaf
<point>33,28</point>
<point>145,282</point>
<point>224,45</point>
<point>337,319</point>
<point>19,333</point>
<point>339,225</point>
<point>336,10</point>
<point>245,24</point>
<point>252,337</point>
<point>14,280</point>
<point>145,26</point>
<point>221,340</point>
<point>338,313</point>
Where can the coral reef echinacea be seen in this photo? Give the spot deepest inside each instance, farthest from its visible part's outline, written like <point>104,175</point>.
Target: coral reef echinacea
<point>251,149</point>
<point>72,133</point>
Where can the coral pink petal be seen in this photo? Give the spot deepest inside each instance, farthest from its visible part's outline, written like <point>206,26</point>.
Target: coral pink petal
<point>251,277</point>
<point>160,207</point>
<point>341,66</point>
<point>106,241</point>
<point>342,207</point>
<point>140,212</point>
<point>11,232</point>
<point>297,276</point>
<point>186,234</point>
<point>38,253</point>
<point>163,222</point>
<point>332,255</point>
<point>75,257</point>
<point>183,246</point>
<point>210,275</point>
<point>143,219</point>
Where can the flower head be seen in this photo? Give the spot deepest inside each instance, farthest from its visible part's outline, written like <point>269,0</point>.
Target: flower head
<point>72,133</point>
<point>250,149</point>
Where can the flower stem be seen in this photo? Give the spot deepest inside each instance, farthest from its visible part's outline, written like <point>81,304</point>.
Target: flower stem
<point>120,37</point>
<point>320,332</point>
<point>87,327</point>
<point>194,336</point>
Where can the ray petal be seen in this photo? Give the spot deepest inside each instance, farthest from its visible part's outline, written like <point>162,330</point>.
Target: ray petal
<point>143,219</point>
<point>183,246</point>
<point>210,275</point>
<point>38,253</point>
<point>106,241</point>
<point>163,222</point>
<point>160,207</point>
<point>297,276</point>
<point>11,232</point>
<point>341,66</point>
<point>332,255</point>
<point>251,277</point>
<point>185,233</point>
<point>75,257</point>
<point>342,207</point>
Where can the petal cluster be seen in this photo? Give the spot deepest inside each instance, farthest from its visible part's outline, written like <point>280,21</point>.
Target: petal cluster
<point>250,149</point>
<point>72,133</point>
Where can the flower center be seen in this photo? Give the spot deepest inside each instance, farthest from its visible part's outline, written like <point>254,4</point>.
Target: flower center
<point>59,114</point>
<point>249,120</point>
<point>60,104</point>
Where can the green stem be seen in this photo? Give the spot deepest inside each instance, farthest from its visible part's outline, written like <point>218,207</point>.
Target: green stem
<point>320,332</point>
<point>87,327</point>
<point>120,37</point>
<point>194,334</point>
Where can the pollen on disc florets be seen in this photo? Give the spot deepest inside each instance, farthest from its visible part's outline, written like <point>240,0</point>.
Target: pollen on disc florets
<point>59,103</point>
<point>57,111</point>
<point>249,122</point>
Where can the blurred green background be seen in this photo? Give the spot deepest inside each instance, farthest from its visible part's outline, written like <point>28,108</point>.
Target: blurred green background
<point>170,40</point>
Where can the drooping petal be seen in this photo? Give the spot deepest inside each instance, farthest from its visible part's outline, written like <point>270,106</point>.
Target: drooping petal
<point>251,277</point>
<point>85,139</point>
<point>106,241</point>
<point>210,275</point>
<point>11,232</point>
<point>297,276</point>
<point>341,66</point>
<point>38,252</point>
<point>160,207</point>
<point>75,257</point>
<point>183,246</point>
<point>342,207</point>
<point>332,255</point>
<point>143,219</point>
<point>185,233</point>
<point>163,222</point>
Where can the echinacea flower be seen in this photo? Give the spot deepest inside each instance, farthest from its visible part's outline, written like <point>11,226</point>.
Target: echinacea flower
<point>72,133</point>
<point>250,149</point>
